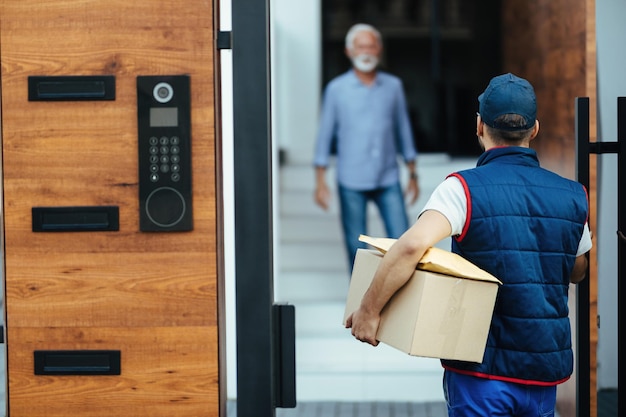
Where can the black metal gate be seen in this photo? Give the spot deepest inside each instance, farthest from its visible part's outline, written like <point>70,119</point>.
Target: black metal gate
<point>583,150</point>
<point>265,330</point>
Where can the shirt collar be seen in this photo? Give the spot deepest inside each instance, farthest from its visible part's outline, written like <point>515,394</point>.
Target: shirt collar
<point>355,80</point>
<point>509,154</point>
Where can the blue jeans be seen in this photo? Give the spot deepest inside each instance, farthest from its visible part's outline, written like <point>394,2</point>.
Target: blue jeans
<point>353,206</point>
<point>470,396</point>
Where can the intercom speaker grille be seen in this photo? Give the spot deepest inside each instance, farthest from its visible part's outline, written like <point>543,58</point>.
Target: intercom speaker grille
<point>165,207</point>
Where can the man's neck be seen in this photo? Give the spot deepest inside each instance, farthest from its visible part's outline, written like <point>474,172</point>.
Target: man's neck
<point>366,78</point>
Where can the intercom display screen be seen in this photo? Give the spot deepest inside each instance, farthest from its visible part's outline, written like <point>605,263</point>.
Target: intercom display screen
<point>163,116</point>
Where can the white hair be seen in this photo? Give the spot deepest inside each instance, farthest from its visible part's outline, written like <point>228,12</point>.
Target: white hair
<point>361,27</point>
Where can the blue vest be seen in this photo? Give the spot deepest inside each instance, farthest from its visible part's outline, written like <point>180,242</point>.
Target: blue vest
<point>523,226</point>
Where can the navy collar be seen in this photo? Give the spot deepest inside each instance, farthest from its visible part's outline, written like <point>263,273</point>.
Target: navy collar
<point>509,155</point>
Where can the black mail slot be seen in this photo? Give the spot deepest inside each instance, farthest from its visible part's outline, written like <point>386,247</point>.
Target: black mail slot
<point>76,219</point>
<point>77,362</point>
<point>69,88</point>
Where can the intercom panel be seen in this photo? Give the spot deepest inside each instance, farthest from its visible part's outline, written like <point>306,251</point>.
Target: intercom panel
<point>164,129</point>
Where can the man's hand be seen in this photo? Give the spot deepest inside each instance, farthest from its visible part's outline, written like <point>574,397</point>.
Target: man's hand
<point>412,191</point>
<point>322,195</point>
<point>364,326</point>
<point>395,269</point>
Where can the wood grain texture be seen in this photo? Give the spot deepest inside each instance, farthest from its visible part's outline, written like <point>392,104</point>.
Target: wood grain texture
<point>552,44</point>
<point>544,42</point>
<point>591,74</point>
<point>165,372</point>
<point>151,295</point>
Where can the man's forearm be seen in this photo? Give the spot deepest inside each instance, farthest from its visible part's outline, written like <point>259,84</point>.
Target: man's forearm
<point>412,168</point>
<point>396,268</point>
<point>579,272</point>
<point>320,174</point>
<point>399,263</point>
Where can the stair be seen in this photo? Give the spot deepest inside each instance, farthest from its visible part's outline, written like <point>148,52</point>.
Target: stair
<point>312,274</point>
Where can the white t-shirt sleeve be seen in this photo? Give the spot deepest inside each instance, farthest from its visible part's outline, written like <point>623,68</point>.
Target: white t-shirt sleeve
<point>585,242</point>
<point>450,200</point>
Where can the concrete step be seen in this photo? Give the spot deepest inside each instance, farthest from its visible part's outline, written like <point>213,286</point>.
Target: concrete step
<point>346,354</point>
<point>321,319</point>
<point>298,203</point>
<point>317,229</point>
<point>437,166</point>
<point>312,274</point>
<point>370,386</point>
<point>318,257</point>
<point>301,287</point>
<point>341,368</point>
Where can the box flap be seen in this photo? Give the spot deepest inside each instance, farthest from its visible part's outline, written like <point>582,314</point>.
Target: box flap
<point>437,260</point>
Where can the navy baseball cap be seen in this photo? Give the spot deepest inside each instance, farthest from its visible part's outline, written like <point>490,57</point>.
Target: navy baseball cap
<point>508,94</point>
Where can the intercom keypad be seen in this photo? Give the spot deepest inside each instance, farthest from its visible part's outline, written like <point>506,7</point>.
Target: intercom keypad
<point>164,129</point>
<point>164,158</point>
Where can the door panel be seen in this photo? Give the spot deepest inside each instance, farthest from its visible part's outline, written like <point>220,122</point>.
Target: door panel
<point>164,373</point>
<point>152,296</point>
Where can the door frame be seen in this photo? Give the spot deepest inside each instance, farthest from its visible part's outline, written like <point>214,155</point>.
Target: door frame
<point>253,209</point>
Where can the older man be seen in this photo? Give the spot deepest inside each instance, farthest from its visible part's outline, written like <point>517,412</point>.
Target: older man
<point>364,110</point>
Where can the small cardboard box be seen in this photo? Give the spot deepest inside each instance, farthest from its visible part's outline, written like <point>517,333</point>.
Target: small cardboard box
<point>444,310</point>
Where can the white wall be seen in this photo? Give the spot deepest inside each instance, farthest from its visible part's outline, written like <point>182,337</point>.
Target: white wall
<point>295,31</point>
<point>611,61</point>
<point>296,76</point>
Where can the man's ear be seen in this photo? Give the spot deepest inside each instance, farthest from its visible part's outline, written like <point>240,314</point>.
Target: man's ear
<point>479,126</point>
<point>535,131</point>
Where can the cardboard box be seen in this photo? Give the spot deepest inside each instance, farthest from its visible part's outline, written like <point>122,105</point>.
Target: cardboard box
<point>437,315</point>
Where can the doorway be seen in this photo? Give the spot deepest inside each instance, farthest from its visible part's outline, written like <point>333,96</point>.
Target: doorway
<point>445,52</point>
<point>297,83</point>
<point>311,270</point>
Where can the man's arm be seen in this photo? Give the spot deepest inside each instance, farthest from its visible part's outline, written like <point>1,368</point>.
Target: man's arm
<point>322,193</point>
<point>580,269</point>
<point>406,142</point>
<point>395,269</point>
<point>325,134</point>
<point>412,187</point>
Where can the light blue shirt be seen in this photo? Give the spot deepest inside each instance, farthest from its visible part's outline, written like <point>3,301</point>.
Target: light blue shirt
<point>371,126</point>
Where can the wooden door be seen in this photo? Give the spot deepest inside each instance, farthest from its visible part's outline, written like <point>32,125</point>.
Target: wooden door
<point>552,43</point>
<point>149,296</point>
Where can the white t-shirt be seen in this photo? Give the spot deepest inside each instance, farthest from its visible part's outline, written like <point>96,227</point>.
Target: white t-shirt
<point>449,200</point>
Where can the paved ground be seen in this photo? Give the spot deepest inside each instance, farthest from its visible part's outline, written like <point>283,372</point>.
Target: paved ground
<point>358,409</point>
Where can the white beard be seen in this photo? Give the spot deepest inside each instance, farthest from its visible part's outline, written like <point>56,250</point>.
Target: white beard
<point>365,62</point>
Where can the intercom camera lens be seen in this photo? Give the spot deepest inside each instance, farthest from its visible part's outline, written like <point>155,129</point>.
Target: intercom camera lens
<point>163,92</point>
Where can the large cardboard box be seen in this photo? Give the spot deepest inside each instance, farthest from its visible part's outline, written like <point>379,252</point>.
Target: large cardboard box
<point>443,311</point>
